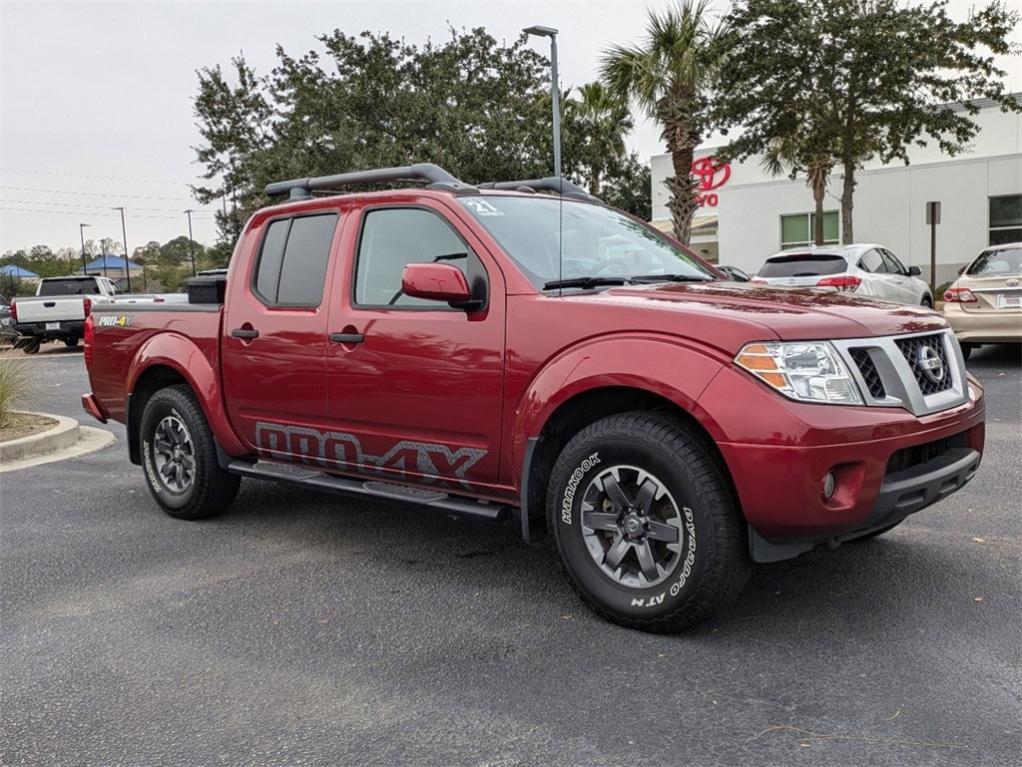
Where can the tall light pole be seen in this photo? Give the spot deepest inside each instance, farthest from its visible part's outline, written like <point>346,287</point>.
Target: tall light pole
<point>555,89</point>
<point>81,231</point>
<point>124,234</point>
<point>191,242</point>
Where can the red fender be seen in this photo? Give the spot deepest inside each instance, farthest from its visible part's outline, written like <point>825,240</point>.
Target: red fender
<point>672,368</point>
<point>199,369</point>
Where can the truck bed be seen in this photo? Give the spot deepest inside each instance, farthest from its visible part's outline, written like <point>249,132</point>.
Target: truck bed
<point>114,349</point>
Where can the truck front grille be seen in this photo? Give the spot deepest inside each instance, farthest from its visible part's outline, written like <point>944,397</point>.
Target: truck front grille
<point>869,372</point>
<point>919,352</point>
<point>923,372</point>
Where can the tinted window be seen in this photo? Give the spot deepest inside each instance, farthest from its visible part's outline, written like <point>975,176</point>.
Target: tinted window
<point>270,258</point>
<point>894,266</point>
<point>803,265</point>
<point>305,260</point>
<point>393,237</point>
<point>992,263</point>
<point>871,261</point>
<point>293,260</point>
<point>69,287</point>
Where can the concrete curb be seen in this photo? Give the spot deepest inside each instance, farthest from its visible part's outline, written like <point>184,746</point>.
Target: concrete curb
<point>63,435</point>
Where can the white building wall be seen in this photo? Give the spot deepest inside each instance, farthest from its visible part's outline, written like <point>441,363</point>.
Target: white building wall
<point>889,200</point>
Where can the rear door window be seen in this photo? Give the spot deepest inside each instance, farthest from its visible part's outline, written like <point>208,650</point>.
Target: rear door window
<point>803,265</point>
<point>293,260</point>
<point>872,262</point>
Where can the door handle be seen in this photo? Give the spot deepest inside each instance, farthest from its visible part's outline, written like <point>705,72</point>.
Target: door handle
<point>347,338</point>
<point>245,333</point>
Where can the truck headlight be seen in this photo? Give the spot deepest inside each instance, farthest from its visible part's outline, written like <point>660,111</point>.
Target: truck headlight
<point>809,371</point>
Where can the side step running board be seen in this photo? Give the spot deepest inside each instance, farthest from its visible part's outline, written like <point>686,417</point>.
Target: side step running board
<point>309,477</point>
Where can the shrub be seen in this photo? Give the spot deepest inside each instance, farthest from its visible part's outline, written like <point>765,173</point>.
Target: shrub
<point>15,386</point>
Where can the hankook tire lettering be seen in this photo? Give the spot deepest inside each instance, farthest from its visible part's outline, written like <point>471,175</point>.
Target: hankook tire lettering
<point>576,477</point>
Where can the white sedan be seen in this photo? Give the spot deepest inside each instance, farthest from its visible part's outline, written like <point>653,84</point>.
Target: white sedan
<point>862,269</point>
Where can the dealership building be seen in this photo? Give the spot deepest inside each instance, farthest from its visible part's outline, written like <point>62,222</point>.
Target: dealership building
<point>747,215</point>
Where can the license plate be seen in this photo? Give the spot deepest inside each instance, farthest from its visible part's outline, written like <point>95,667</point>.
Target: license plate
<point>1009,300</point>
<point>53,326</point>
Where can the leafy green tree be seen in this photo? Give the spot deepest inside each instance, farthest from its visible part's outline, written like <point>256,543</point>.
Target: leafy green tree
<point>857,80</point>
<point>787,156</point>
<point>598,120</point>
<point>668,75</point>
<point>468,103</point>
<point>628,186</point>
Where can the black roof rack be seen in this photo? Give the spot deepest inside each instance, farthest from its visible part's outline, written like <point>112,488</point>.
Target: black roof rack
<point>433,175</point>
<point>550,184</point>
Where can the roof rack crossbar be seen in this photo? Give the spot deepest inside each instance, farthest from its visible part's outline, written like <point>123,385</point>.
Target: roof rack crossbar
<point>300,188</point>
<point>550,184</point>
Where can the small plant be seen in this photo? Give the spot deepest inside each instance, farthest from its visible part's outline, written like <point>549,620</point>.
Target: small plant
<point>15,386</point>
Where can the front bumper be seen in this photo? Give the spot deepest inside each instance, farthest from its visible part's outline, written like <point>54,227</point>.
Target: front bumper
<point>887,462</point>
<point>986,327</point>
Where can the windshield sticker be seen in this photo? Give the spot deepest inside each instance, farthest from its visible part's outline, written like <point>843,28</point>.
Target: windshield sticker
<point>483,208</point>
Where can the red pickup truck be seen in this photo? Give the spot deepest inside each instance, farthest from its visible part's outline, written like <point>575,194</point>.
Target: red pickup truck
<point>498,352</point>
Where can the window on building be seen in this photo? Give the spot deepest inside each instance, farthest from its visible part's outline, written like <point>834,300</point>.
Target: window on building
<point>1005,219</point>
<point>293,260</point>
<point>797,229</point>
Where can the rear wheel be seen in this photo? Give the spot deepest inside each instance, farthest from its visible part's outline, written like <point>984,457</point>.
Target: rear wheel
<point>646,523</point>
<point>927,302</point>
<point>179,457</point>
<point>967,350</point>
<point>71,342</point>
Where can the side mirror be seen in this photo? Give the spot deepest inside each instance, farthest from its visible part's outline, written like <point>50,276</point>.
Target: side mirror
<point>437,282</point>
<point>914,271</point>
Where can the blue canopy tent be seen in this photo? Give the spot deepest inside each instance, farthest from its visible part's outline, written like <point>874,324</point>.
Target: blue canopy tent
<point>17,272</point>
<point>10,273</point>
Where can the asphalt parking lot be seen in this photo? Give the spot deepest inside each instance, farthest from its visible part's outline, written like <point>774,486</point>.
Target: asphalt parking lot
<point>304,629</point>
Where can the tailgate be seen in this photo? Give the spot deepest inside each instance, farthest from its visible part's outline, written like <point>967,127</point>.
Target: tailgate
<point>993,294</point>
<point>51,309</point>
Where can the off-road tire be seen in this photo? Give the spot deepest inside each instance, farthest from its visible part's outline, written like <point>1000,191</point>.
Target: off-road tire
<point>211,489</point>
<point>685,464</point>
<point>71,343</point>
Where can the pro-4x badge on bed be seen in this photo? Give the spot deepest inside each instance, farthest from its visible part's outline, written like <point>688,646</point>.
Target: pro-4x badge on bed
<point>114,320</point>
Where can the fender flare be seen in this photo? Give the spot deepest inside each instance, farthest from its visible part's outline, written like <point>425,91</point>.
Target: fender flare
<point>181,354</point>
<point>670,367</point>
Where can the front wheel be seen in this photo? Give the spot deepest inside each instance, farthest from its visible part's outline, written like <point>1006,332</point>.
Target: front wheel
<point>645,522</point>
<point>179,457</point>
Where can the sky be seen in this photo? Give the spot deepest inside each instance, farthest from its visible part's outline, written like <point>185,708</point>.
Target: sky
<point>96,98</point>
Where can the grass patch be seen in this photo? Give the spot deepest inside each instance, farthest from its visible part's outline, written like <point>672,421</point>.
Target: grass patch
<point>15,387</point>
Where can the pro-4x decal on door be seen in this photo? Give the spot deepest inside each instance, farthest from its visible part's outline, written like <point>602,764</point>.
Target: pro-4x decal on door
<point>431,461</point>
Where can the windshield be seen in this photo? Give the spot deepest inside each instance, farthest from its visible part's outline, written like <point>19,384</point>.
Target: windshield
<point>993,263</point>
<point>69,287</point>
<point>802,265</point>
<point>596,242</point>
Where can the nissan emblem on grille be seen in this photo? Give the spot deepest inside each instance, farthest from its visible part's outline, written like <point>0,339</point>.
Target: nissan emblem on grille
<point>931,363</point>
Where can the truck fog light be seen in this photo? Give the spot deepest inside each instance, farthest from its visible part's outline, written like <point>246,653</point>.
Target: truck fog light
<point>829,484</point>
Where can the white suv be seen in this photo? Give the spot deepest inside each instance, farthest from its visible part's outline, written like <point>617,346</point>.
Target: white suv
<point>866,270</point>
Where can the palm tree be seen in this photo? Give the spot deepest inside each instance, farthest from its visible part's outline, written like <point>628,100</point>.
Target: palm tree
<point>604,120</point>
<point>668,75</point>
<point>787,157</point>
